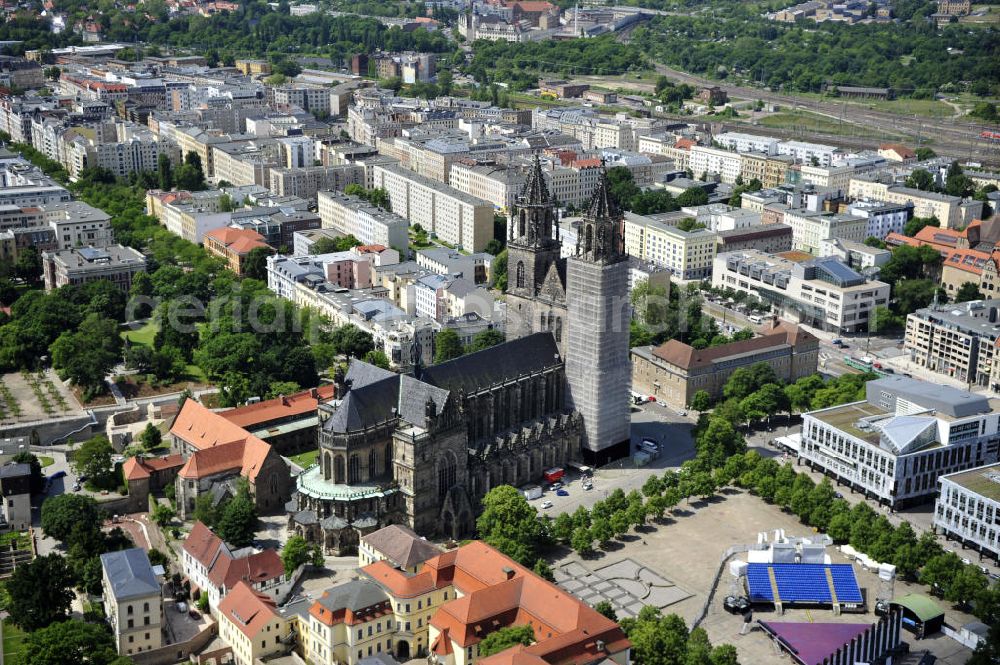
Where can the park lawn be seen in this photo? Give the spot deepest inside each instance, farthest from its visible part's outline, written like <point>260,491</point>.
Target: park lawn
<point>143,335</point>
<point>45,461</point>
<point>306,459</point>
<point>12,639</point>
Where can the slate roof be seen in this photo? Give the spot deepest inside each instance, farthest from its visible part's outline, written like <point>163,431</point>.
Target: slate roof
<point>401,545</point>
<point>130,574</point>
<point>496,364</point>
<point>364,406</point>
<point>356,595</point>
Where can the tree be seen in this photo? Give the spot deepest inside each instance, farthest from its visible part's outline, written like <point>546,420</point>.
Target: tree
<point>921,179</point>
<point>601,530</point>
<point>968,291</point>
<point>485,339</point>
<point>499,270</point>
<point>162,514</point>
<point>543,570</point>
<point>914,226</point>
<point>93,459</point>
<point>581,542</point>
<point>298,552</point>
<point>40,592</point>
<point>701,401</point>
<point>378,358</point>
<point>204,511</point>
<point>151,437</point>
<point>510,524</point>
<point>967,583</point>
<point>238,521</point>
<point>61,513</point>
<point>164,172</point>
<point>605,609</point>
<point>87,355</point>
<point>505,638</point>
<point>28,265</point>
<point>352,341</point>
<point>447,346</point>
<point>255,264</point>
<point>562,527</point>
<point>70,643</point>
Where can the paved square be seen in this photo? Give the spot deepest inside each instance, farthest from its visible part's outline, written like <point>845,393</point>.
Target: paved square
<point>626,584</point>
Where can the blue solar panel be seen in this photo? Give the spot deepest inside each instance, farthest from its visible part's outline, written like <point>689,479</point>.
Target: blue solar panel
<point>803,583</point>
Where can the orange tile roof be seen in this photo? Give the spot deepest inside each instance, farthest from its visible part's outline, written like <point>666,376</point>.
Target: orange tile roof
<point>202,428</point>
<point>247,610</point>
<point>587,163</point>
<point>279,408</point>
<point>969,260</point>
<point>685,144</point>
<point>136,468</point>
<point>370,249</point>
<point>900,150</point>
<point>497,592</point>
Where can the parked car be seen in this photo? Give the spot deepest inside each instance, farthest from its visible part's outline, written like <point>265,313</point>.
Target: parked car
<point>588,486</point>
<point>76,487</point>
<point>736,604</point>
<point>562,492</point>
<point>182,607</point>
<point>838,342</point>
<point>194,614</point>
<point>546,505</point>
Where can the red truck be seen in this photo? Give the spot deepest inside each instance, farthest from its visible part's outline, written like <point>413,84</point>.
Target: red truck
<point>554,474</point>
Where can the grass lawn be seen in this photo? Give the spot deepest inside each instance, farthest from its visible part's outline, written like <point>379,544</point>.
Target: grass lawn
<point>45,461</point>
<point>21,537</point>
<point>12,639</point>
<point>143,335</point>
<point>305,459</point>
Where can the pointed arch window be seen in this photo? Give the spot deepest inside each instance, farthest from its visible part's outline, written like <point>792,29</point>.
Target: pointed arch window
<point>519,281</point>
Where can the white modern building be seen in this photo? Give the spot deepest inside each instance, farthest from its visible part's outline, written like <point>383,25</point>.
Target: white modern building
<point>370,224</point>
<point>883,218</point>
<point>822,292</point>
<point>740,142</point>
<point>968,508</point>
<point>894,445</point>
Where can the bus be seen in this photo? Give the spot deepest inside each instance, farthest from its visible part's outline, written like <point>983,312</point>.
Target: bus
<point>582,469</point>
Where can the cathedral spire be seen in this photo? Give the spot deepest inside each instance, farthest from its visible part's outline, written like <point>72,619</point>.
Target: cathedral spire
<point>601,237</point>
<point>535,191</point>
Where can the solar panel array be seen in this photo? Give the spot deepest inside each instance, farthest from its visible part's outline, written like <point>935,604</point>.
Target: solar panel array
<point>803,583</point>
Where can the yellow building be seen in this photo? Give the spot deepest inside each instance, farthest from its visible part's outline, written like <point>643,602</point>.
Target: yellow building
<point>250,624</point>
<point>253,67</point>
<point>132,601</point>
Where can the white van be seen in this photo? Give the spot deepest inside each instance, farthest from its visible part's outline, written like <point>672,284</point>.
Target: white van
<point>755,319</point>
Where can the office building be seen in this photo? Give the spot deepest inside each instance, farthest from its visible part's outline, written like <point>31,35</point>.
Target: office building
<point>957,340</point>
<point>968,508</point>
<point>895,444</point>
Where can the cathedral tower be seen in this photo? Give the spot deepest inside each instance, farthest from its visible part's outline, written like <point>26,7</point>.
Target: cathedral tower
<point>597,347</point>
<point>536,275</point>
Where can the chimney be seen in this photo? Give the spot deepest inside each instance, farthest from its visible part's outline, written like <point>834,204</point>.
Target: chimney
<point>508,572</point>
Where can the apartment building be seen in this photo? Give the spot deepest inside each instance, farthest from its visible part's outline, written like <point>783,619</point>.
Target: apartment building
<point>77,224</point>
<point>968,508</point>
<point>443,261</point>
<point>313,99</point>
<point>15,494</point>
<point>947,209</point>
<point>815,154</point>
<point>740,142</point>
<point>894,445</point>
<point>114,263</point>
<point>957,340</point>
<point>307,182</point>
<point>811,227</point>
<point>767,238</point>
<point>837,174</point>
<point>351,215</point>
<point>821,292</point>
<point>769,170</point>
<point>132,601</point>
<point>883,218</point>
<point>246,162</point>
<point>674,371</point>
<point>454,217</point>
<point>687,254</point>
<point>708,161</point>
<point>192,219</point>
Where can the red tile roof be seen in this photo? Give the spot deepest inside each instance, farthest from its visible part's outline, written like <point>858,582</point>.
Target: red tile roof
<point>203,545</point>
<point>968,260</point>
<point>239,241</point>
<point>252,416</point>
<point>257,568</point>
<point>687,357</point>
<point>248,610</point>
<point>203,428</point>
<point>221,445</point>
<point>136,468</point>
<point>685,144</point>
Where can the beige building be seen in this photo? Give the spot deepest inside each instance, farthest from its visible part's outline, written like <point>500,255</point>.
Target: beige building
<point>957,340</point>
<point>770,170</point>
<point>674,371</point>
<point>306,182</point>
<point>132,601</point>
<point>811,227</point>
<point>454,217</point>
<point>115,263</point>
<point>687,254</point>
<point>947,209</point>
<point>351,215</point>
<point>250,624</point>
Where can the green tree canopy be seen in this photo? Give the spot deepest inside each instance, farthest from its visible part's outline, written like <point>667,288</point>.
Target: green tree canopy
<point>71,643</point>
<point>447,346</point>
<point>40,592</point>
<point>505,638</point>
